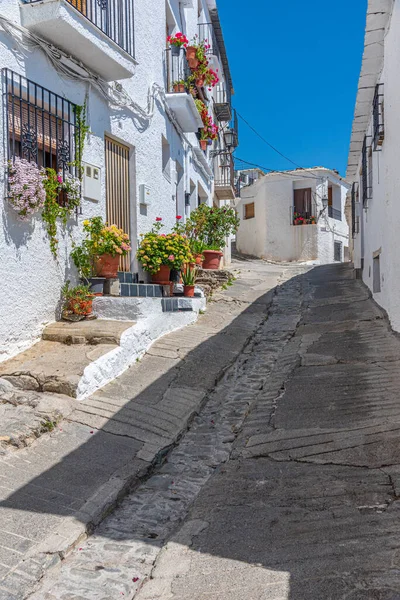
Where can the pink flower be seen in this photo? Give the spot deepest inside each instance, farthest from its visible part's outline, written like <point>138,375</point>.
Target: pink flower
<point>59,179</point>
<point>171,257</point>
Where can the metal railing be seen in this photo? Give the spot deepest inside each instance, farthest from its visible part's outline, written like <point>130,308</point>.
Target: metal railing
<point>207,35</point>
<point>334,213</point>
<point>378,118</point>
<point>354,201</point>
<point>225,172</point>
<point>176,71</point>
<point>222,103</point>
<point>366,188</point>
<point>115,18</point>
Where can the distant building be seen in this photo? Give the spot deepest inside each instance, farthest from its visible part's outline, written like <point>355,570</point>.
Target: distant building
<point>293,216</point>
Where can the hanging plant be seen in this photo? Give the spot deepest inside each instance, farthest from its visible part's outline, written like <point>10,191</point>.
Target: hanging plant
<point>81,130</point>
<point>27,193</point>
<point>57,186</point>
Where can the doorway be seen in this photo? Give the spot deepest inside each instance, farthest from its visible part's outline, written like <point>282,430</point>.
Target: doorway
<point>118,191</point>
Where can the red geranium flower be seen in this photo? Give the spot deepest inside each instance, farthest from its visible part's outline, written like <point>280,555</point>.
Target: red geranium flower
<point>178,217</point>
<point>158,219</point>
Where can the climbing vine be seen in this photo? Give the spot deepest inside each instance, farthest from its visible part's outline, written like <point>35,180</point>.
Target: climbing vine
<point>81,130</point>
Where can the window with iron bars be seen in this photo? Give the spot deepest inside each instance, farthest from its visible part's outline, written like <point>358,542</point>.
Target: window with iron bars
<point>42,126</point>
<point>378,118</point>
<point>355,223</point>
<point>366,188</point>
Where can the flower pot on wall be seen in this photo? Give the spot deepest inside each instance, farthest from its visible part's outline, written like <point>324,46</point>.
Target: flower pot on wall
<point>200,82</point>
<point>199,259</point>
<point>107,266</point>
<point>188,291</point>
<point>162,277</point>
<point>203,145</point>
<point>179,88</point>
<point>212,259</point>
<point>81,307</point>
<point>193,61</point>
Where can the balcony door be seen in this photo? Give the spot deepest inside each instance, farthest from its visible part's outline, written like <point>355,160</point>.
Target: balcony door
<point>118,190</point>
<point>302,202</point>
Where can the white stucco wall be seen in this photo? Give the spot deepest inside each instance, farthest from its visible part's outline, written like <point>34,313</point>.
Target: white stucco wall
<point>272,235</point>
<point>32,279</point>
<point>380,219</point>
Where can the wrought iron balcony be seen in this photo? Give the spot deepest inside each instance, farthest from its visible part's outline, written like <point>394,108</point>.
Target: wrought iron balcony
<point>180,101</point>
<point>224,183</point>
<point>99,33</point>
<point>334,213</point>
<point>222,103</point>
<point>378,118</point>
<point>207,35</point>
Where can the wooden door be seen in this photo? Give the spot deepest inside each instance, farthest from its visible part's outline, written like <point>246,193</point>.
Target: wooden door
<point>118,191</point>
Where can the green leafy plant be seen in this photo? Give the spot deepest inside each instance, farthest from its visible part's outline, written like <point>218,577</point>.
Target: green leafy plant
<point>99,239</point>
<point>212,225</point>
<point>63,197</point>
<point>78,299</point>
<point>157,249</point>
<point>188,274</point>
<point>81,130</point>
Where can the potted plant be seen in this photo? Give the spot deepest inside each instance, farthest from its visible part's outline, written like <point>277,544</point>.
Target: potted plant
<point>159,253</point>
<point>196,53</point>
<point>101,250</point>
<point>83,257</point>
<point>178,86</point>
<point>188,278</point>
<point>78,301</point>
<point>26,193</point>
<point>212,226</point>
<point>177,41</point>
<point>197,248</point>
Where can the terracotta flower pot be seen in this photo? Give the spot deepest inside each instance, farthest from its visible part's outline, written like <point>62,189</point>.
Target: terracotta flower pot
<point>191,57</point>
<point>203,145</point>
<point>212,259</point>
<point>179,88</point>
<point>200,82</point>
<point>188,291</point>
<point>199,259</point>
<point>107,266</point>
<point>162,276</point>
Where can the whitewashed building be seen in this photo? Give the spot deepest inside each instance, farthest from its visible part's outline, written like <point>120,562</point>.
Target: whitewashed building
<point>373,165</point>
<point>142,156</point>
<point>293,215</point>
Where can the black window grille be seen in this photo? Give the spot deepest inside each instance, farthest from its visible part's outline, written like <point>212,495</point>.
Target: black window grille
<point>366,188</point>
<point>42,126</point>
<point>354,209</point>
<point>114,18</point>
<point>378,118</point>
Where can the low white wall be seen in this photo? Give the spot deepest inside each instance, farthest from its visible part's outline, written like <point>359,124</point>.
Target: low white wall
<point>152,323</point>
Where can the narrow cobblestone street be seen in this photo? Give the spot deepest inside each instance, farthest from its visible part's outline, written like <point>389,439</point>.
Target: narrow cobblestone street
<point>286,484</point>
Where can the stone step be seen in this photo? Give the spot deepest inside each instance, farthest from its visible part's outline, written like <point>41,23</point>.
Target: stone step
<point>52,367</point>
<point>98,331</point>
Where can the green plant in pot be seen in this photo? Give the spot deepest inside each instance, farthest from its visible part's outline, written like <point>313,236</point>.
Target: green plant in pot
<point>99,254</point>
<point>159,252</point>
<point>212,225</point>
<point>189,279</point>
<point>78,302</point>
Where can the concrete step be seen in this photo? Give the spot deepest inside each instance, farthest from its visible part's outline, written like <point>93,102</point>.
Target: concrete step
<point>98,331</point>
<point>52,367</point>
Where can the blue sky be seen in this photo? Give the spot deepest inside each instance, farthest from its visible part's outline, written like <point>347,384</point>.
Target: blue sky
<point>295,68</point>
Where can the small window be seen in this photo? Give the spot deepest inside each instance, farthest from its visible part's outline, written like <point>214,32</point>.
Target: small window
<point>166,159</point>
<point>337,251</point>
<point>249,211</point>
<point>376,274</point>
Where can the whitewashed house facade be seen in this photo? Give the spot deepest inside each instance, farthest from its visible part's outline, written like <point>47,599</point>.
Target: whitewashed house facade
<point>293,215</point>
<point>141,157</point>
<point>373,160</point>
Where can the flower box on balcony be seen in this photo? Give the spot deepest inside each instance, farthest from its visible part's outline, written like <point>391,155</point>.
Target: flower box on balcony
<point>87,31</point>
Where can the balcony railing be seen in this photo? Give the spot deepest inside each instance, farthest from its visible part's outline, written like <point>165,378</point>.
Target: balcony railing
<point>207,35</point>
<point>222,103</point>
<point>303,217</point>
<point>378,117</point>
<point>334,213</point>
<point>113,17</point>
<point>177,71</point>
<point>224,182</point>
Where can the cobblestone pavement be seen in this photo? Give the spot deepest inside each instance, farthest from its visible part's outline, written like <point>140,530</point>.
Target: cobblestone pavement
<point>286,485</point>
